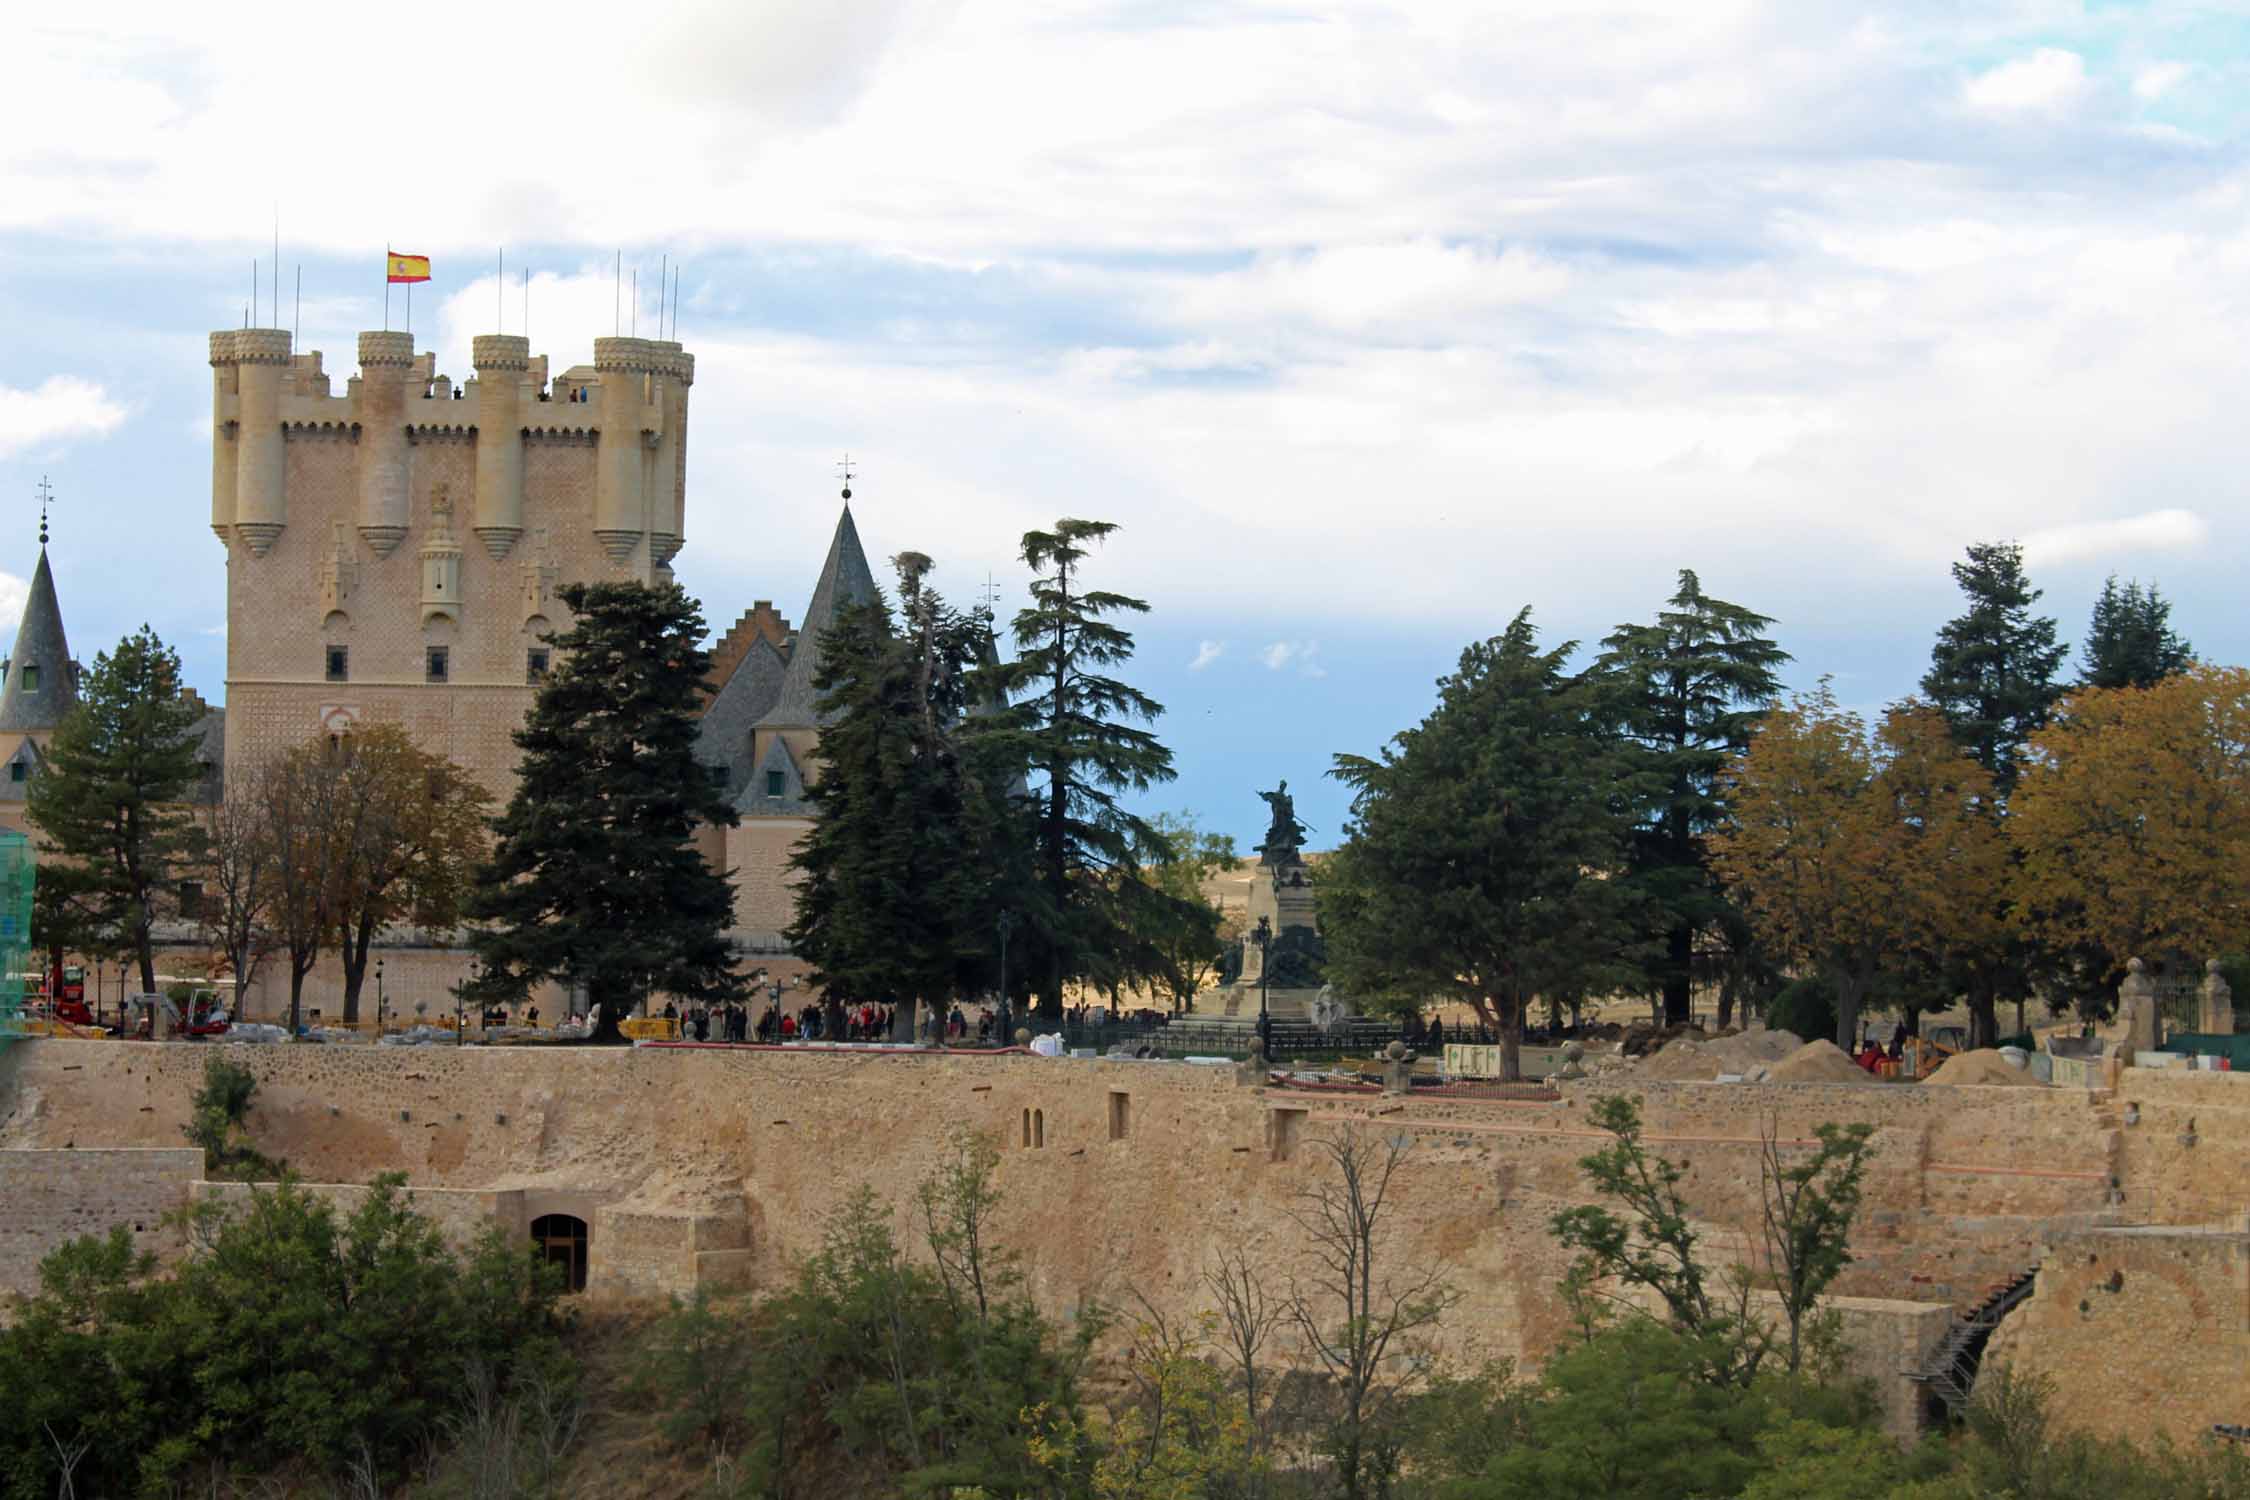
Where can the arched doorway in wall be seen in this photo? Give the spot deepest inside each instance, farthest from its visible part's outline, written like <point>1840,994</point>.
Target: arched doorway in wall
<point>562,1239</point>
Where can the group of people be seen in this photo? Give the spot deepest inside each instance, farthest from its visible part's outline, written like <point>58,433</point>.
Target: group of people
<point>849,1023</point>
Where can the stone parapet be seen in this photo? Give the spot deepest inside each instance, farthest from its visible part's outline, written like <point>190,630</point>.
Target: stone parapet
<point>386,349</point>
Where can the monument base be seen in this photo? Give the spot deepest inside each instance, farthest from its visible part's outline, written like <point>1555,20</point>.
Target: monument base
<point>1237,1005</point>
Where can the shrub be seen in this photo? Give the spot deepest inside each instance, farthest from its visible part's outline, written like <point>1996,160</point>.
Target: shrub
<point>297,1334</point>
<point>1805,1006</point>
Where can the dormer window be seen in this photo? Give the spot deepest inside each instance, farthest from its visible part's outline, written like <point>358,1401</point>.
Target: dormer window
<point>776,783</point>
<point>17,770</point>
<point>31,677</point>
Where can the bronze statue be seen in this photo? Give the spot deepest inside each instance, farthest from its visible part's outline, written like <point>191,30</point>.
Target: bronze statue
<point>1287,835</point>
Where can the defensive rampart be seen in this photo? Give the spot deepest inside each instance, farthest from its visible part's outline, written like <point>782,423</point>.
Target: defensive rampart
<point>720,1165</point>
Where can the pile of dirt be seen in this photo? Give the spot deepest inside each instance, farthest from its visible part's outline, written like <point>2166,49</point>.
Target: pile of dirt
<point>1690,1059</point>
<point>1983,1066</point>
<point>1817,1062</point>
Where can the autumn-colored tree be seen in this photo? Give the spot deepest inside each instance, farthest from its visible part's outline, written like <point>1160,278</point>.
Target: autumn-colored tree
<point>1849,847</point>
<point>1949,858</point>
<point>241,876</point>
<point>2133,818</point>
<point>410,833</point>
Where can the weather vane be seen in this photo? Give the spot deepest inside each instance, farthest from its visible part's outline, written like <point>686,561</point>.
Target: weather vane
<point>845,469</point>
<point>46,496</point>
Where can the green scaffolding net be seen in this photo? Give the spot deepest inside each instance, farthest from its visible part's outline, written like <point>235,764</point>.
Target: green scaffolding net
<point>16,875</point>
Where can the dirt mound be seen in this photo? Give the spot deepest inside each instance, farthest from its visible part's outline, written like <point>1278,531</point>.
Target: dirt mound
<point>1983,1066</point>
<point>1690,1059</point>
<point>1818,1062</point>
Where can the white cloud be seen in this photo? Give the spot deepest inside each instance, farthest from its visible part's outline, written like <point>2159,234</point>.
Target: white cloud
<point>13,592</point>
<point>2154,531</point>
<point>1207,653</point>
<point>2159,79</point>
<point>1301,655</point>
<point>60,409</point>
<point>2050,79</point>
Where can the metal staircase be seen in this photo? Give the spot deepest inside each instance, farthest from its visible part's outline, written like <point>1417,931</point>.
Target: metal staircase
<point>1951,1372</point>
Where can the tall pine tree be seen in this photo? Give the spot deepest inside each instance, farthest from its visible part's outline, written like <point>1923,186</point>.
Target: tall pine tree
<point>1992,671</point>
<point>1073,729</point>
<point>595,876</point>
<point>1688,690</point>
<point>2130,641</point>
<point>901,865</point>
<point>113,794</point>
<point>1483,860</point>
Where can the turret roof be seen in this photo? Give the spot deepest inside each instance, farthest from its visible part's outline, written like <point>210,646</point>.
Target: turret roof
<point>40,643</point>
<point>844,580</point>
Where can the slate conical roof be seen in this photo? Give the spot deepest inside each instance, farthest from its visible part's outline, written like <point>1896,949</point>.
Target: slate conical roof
<point>844,580</point>
<point>40,645</point>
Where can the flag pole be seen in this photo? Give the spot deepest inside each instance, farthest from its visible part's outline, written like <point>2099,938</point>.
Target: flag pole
<point>499,290</point>
<point>386,286</point>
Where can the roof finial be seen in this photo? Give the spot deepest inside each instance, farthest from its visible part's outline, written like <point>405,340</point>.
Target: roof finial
<point>46,494</point>
<point>845,469</point>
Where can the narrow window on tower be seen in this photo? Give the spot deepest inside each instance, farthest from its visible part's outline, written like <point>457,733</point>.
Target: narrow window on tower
<point>31,677</point>
<point>339,663</point>
<point>535,665</point>
<point>434,663</point>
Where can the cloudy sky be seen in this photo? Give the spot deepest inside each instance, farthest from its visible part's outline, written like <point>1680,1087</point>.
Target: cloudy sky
<point>1370,322</point>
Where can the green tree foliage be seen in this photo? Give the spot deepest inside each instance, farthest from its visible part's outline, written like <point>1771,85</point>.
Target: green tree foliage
<point>1479,860</point>
<point>1808,1200</point>
<point>905,866</point>
<point>1630,1414</point>
<point>2130,641</point>
<point>1689,689</point>
<point>1806,1007</point>
<point>113,794</point>
<point>1992,671</point>
<point>1648,1242</point>
<point>596,876</point>
<point>217,1123</point>
<point>1075,730</point>
<point>1187,938</point>
<point>296,1335</point>
<point>880,1368</point>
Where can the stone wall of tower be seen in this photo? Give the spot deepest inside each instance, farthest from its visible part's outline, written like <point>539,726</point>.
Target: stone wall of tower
<point>339,513</point>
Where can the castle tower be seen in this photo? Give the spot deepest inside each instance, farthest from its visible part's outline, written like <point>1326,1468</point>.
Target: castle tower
<point>778,750</point>
<point>353,594</point>
<point>42,686</point>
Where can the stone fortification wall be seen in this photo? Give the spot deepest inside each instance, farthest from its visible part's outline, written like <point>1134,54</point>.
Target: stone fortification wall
<point>1966,1186</point>
<point>50,1196</point>
<point>2158,1314</point>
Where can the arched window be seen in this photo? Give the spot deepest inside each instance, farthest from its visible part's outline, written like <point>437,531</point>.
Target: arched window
<point>1038,1127</point>
<point>1027,1129</point>
<point>561,1238</point>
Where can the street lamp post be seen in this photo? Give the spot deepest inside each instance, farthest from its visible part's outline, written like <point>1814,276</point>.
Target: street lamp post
<point>1006,924</point>
<point>775,1010</point>
<point>378,997</point>
<point>1265,982</point>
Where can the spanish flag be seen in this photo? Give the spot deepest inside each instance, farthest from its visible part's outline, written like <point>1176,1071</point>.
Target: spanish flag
<point>409,268</point>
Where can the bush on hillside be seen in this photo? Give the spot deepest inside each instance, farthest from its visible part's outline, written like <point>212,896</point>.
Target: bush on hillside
<point>297,1335</point>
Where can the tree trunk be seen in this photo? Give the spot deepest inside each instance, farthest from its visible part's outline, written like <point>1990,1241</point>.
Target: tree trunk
<point>1984,1024</point>
<point>1679,956</point>
<point>354,956</point>
<point>1850,989</point>
<point>1508,1021</point>
<point>1726,1006</point>
<point>612,1000</point>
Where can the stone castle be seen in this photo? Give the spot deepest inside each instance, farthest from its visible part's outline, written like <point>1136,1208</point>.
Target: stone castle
<point>394,554</point>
